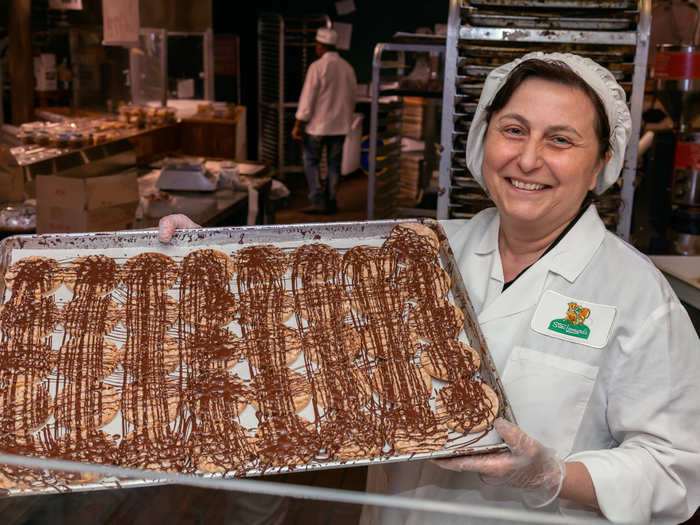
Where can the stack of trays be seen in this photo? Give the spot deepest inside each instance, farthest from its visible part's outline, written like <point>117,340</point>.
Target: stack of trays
<point>477,58</point>
<point>558,14</point>
<point>410,166</point>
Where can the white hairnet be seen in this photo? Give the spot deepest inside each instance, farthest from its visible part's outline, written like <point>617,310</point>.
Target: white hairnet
<point>596,76</point>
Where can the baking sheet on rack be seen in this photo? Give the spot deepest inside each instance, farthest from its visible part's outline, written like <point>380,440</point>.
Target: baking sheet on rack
<point>122,245</point>
<point>550,4</point>
<point>614,22</point>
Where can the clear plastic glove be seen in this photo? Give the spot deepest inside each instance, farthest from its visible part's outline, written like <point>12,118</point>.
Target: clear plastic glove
<point>168,224</point>
<point>528,465</point>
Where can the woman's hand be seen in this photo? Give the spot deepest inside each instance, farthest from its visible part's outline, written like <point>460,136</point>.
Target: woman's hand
<point>528,465</point>
<point>168,224</point>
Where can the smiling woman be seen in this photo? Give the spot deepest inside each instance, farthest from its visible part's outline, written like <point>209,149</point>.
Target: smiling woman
<point>580,325</point>
<point>594,349</point>
<point>541,157</point>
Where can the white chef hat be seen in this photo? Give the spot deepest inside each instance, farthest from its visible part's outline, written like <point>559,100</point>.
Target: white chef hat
<point>596,76</point>
<point>326,36</point>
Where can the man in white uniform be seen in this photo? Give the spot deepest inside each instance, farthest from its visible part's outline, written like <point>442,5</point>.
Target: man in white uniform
<point>323,118</point>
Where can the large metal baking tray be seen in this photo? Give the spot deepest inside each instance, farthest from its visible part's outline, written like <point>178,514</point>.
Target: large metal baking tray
<point>475,72</point>
<point>469,195</point>
<point>466,86</point>
<point>462,123</point>
<point>465,106</point>
<point>460,143</point>
<point>468,210</point>
<point>509,50</point>
<point>556,4</point>
<point>467,182</point>
<point>480,18</point>
<point>340,235</point>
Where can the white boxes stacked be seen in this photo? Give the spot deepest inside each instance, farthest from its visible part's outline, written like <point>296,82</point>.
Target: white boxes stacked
<point>412,152</point>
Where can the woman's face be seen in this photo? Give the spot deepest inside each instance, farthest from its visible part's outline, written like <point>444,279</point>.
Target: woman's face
<point>541,154</point>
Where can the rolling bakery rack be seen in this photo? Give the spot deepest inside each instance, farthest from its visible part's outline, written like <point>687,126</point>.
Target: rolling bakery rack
<point>285,51</point>
<point>391,83</point>
<point>484,34</point>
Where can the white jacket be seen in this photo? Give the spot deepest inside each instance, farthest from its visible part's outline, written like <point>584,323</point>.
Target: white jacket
<point>327,100</point>
<point>625,400</point>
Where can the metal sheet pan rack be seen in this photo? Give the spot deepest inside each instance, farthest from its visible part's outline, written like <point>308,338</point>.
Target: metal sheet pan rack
<point>285,51</point>
<point>483,34</point>
<point>390,65</point>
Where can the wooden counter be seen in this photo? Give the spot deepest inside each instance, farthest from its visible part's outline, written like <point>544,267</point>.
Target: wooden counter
<point>214,137</point>
<point>200,136</point>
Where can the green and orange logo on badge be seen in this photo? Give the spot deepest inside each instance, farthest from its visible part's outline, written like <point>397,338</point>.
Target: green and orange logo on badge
<point>572,324</point>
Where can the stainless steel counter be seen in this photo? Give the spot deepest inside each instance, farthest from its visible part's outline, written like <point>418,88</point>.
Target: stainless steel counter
<point>217,208</point>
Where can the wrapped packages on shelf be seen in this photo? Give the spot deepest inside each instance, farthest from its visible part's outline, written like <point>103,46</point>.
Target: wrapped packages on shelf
<point>412,117</point>
<point>410,166</point>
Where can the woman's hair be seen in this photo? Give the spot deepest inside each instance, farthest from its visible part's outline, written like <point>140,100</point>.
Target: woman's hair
<point>560,73</point>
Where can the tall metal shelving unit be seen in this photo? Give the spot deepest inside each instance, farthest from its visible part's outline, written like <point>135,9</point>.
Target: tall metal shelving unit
<point>389,64</point>
<point>483,34</point>
<point>285,52</point>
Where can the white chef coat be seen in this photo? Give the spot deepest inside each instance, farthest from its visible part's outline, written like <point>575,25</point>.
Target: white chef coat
<point>629,410</point>
<point>327,101</point>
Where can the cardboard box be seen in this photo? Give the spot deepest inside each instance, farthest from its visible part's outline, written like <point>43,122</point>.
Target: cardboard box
<point>67,204</point>
<point>53,219</point>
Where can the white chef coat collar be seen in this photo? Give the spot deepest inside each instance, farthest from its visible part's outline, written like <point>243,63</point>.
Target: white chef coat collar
<point>489,242</point>
<point>571,256</point>
<point>568,259</point>
<point>589,225</point>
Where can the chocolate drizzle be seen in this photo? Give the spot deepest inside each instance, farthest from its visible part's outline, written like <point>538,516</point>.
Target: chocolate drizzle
<point>467,405</point>
<point>435,321</point>
<point>350,353</point>
<point>450,360</point>
<point>316,262</point>
<point>412,243</point>
<point>34,275</point>
<point>94,274</point>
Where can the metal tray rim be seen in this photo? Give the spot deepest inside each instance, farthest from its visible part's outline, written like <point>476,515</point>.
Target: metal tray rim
<point>302,231</point>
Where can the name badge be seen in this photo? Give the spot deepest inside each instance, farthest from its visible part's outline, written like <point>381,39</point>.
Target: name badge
<point>573,320</point>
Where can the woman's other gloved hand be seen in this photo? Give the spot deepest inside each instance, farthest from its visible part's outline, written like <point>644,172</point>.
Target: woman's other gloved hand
<point>168,224</point>
<point>528,465</point>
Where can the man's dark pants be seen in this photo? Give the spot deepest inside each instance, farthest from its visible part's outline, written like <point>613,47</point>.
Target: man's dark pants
<point>322,193</point>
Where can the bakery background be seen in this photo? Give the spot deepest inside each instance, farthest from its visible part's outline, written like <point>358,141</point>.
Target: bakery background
<point>204,92</point>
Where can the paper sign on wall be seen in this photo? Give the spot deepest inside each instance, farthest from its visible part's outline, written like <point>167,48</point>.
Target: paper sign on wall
<point>120,20</point>
<point>344,35</point>
<point>185,88</point>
